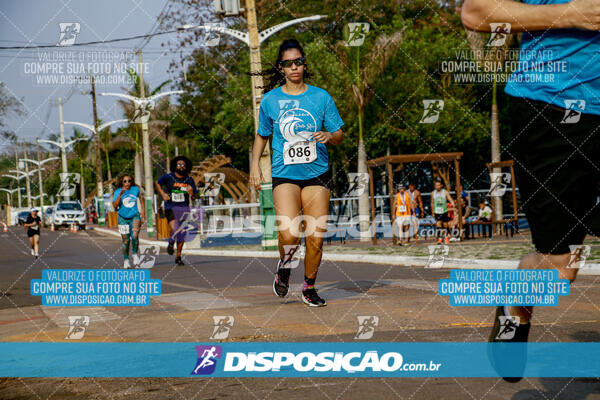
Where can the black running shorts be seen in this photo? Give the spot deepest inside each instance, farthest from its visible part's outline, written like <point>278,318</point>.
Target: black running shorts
<point>321,180</point>
<point>557,168</point>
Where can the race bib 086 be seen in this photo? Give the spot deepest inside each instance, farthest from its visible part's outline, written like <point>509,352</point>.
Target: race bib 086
<point>124,229</point>
<point>299,152</point>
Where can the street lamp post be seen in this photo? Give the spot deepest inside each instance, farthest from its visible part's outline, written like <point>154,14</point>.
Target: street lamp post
<point>19,188</point>
<point>63,150</point>
<point>39,163</point>
<point>9,193</point>
<point>20,175</point>
<point>145,103</point>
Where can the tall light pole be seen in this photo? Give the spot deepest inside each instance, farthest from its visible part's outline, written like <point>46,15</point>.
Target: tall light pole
<point>145,103</point>
<point>9,193</point>
<point>253,39</point>
<point>39,163</point>
<point>20,175</point>
<point>18,189</point>
<point>94,130</point>
<point>63,151</point>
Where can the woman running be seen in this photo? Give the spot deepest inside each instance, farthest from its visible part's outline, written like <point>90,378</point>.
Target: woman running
<point>303,120</point>
<point>130,220</point>
<point>33,225</point>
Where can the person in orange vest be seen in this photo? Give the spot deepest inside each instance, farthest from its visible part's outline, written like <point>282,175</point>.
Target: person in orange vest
<point>404,211</point>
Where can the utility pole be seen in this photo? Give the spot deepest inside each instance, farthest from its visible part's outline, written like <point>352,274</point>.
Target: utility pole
<point>40,183</point>
<point>27,183</point>
<point>99,182</point>
<point>18,181</point>
<point>148,176</point>
<point>257,81</point>
<point>81,184</point>
<point>63,153</point>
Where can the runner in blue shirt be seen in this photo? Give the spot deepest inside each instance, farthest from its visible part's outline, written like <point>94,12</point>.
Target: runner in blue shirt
<point>555,113</point>
<point>303,120</point>
<point>177,189</point>
<point>125,201</point>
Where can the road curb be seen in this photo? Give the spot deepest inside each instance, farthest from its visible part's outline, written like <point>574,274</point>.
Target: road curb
<point>452,263</point>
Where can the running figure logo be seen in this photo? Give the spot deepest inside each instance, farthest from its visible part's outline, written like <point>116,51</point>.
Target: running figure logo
<point>148,254</point>
<point>211,36</point>
<point>357,184</point>
<point>207,359</point>
<point>223,324</point>
<point>213,182</point>
<point>357,31</point>
<point>431,111</point>
<point>291,260</point>
<point>573,110</point>
<point>579,253</point>
<point>68,33</point>
<point>499,182</point>
<point>69,182</point>
<point>366,326</point>
<point>141,113</point>
<point>437,255</point>
<point>508,328</point>
<point>500,32</point>
<point>77,326</point>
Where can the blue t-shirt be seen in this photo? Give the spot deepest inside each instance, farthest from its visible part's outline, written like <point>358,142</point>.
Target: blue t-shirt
<point>176,188</point>
<point>558,66</point>
<point>128,207</point>
<point>292,119</point>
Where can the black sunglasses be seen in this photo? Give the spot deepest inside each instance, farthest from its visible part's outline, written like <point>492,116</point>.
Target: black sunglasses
<point>288,63</point>
<point>126,180</point>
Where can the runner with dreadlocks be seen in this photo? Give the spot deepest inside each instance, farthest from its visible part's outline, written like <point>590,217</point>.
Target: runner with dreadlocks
<point>178,190</point>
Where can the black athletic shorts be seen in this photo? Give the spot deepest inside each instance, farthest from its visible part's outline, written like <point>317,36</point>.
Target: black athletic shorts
<point>321,180</point>
<point>442,217</point>
<point>557,172</point>
<point>31,232</point>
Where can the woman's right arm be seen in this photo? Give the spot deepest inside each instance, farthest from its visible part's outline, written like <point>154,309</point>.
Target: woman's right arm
<point>117,200</point>
<point>256,176</point>
<point>477,15</point>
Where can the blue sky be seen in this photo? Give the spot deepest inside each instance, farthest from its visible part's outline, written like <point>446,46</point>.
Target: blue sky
<point>37,22</point>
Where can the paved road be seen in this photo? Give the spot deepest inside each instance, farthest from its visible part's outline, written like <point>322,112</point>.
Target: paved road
<point>404,298</point>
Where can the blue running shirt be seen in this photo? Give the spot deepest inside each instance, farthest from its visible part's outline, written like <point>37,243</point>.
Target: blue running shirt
<point>128,207</point>
<point>559,67</point>
<point>292,119</point>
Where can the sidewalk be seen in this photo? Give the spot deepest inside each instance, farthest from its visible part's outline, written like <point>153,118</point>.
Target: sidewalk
<point>472,254</point>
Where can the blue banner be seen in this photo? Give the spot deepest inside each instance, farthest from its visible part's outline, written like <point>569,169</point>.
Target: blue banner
<point>95,287</point>
<point>261,359</point>
<point>501,287</point>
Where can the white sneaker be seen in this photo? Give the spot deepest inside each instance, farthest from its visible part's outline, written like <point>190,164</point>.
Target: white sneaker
<point>37,255</point>
<point>32,252</point>
<point>126,264</point>
<point>136,261</point>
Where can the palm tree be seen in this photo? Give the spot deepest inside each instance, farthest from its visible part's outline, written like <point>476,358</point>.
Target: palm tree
<point>375,62</point>
<point>159,111</point>
<point>496,55</point>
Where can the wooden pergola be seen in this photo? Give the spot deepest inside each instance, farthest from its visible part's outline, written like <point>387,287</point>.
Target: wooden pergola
<point>389,161</point>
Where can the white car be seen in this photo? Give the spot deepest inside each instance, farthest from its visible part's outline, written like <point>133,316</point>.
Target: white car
<point>67,213</point>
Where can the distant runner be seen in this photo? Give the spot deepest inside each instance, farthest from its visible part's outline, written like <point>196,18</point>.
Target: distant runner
<point>33,225</point>
<point>178,190</point>
<point>125,201</point>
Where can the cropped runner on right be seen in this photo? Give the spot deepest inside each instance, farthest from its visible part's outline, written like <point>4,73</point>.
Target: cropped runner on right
<point>555,117</point>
